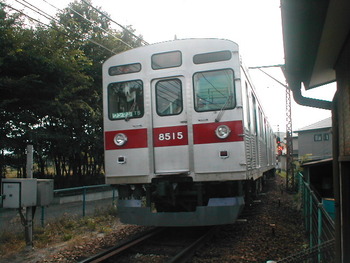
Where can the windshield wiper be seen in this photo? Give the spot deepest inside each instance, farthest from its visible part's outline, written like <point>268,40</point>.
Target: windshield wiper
<point>222,111</point>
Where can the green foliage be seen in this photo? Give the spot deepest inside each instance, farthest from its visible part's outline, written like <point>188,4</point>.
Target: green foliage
<point>282,174</point>
<point>51,91</point>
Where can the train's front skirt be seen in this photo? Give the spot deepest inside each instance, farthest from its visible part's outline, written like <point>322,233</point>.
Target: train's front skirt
<point>219,211</point>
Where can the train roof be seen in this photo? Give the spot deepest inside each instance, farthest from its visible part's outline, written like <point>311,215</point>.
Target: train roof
<point>197,44</point>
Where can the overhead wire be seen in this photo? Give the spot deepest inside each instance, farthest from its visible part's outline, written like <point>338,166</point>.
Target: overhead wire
<point>110,19</point>
<point>37,10</point>
<point>92,22</point>
<point>49,26</point>
<point>48,16</point>
<point>19,11</point>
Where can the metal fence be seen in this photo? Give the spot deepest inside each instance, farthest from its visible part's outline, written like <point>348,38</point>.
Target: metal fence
<point>83,190</point>
<point>77,201</point>
<point>318,225</point>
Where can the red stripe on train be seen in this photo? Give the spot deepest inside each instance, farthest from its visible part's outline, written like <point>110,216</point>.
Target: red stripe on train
<point>170,136</point>
<point>175,136</point>
<point>136,139</point>
<point>205,132</point>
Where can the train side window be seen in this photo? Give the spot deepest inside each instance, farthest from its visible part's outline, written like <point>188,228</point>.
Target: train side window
<point>214,90</point>
<point>247,106</point>
<point>169,97</point>
<point>261,123</point>
<point>166,60</point>
<point>254,127</point>
<point>125,100</point>
<point>212,57</point>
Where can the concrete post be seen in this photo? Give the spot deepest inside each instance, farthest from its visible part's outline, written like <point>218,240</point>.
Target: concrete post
<point>29,210</point>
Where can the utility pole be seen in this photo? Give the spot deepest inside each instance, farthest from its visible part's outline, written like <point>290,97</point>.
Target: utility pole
<point>290,181</point>
<point>29,210</point>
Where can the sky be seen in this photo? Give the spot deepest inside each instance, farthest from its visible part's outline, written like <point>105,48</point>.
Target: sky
<point>255,25</point>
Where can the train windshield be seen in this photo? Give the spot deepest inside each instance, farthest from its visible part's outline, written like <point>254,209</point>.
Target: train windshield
<point>214,90</point>
<point>125,100</point>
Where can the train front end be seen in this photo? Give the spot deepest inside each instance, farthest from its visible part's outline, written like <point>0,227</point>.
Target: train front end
<point>174,137</point>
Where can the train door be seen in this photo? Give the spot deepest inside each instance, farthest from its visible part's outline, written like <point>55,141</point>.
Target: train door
<point>170,133</point>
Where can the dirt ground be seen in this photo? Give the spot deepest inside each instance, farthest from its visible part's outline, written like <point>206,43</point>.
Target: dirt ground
<point>272,230</point>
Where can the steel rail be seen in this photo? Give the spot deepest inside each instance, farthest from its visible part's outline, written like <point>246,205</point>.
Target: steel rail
<point>118,249</point>
<point>187,253</point>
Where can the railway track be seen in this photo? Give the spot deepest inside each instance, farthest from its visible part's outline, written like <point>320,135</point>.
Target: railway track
<point>171,245</point>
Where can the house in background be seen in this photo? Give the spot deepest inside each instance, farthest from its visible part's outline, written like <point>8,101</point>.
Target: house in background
<point>295,145</point>
<point>315,153</point>
<point>315,140</point>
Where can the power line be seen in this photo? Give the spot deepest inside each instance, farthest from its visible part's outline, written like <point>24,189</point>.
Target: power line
<point>124,28</point>
<point>290,182</point>
<point>106,48</point>
<point>31,18</point>
<point>38,21</point>
<point>37,10</point>
<point>270,66</point>
<point>48,16</point>
<point>92,22</point>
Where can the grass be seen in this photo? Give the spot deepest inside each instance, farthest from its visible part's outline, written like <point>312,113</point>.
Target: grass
<point>10,172</point>
<point>282,173</point>
<point>61,230</point>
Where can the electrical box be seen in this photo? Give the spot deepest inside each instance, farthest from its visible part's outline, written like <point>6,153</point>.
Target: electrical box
<point>45,192</point>
<point>19,192</point>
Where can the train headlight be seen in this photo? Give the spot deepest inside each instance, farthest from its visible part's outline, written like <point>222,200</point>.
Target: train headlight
<point>120,139</point>
<point>222,131</point>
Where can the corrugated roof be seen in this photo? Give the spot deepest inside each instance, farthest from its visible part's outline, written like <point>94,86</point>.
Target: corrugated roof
<point>323,124</point>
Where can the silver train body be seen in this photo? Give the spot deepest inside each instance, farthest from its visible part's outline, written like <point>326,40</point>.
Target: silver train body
<point>186,139</point>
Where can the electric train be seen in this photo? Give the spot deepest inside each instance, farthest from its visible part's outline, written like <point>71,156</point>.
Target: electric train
<point>186,139</point>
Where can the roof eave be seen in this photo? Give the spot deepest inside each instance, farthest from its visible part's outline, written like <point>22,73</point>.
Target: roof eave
<point>314,33</point>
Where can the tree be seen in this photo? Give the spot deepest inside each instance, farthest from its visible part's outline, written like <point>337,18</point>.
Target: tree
<point>51,89</point>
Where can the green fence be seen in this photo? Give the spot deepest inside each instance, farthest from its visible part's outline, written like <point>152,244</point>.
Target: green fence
<point>81,206</point>
<point>83,190</point>
<point>319,227</point>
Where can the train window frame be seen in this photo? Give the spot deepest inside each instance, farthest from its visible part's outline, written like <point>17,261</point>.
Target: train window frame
<point>222,106</point>
<point>171,112</point>
<point>126,114</point>
<point>246,98</point>
<point>212,57</point>
<point>254,123</point>
<point>155,65</point>
<point>124,69</point>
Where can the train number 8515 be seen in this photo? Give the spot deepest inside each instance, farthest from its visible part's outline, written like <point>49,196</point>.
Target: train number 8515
<point>170,136</point>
